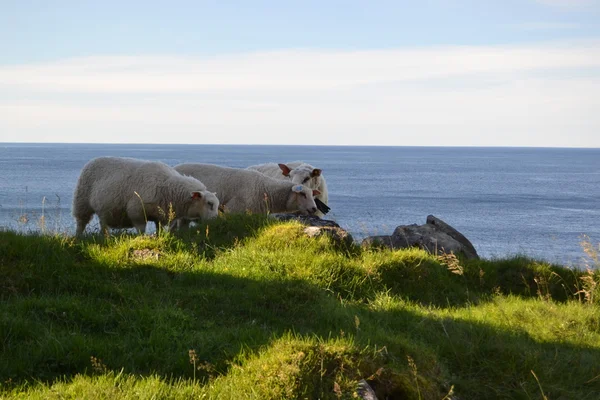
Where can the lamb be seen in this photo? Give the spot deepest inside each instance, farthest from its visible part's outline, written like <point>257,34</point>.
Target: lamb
<point>299,173</point>
<point>242,190</point>
<point>126,193</point>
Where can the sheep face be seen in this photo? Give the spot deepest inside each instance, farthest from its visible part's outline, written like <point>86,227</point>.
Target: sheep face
<point>204,205</point>
<point>302,199</point>
<point>302,175</point>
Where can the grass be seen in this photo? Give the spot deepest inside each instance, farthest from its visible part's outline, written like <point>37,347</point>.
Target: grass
<point>244,307</point>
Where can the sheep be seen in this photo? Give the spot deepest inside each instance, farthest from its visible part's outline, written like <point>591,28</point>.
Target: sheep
<point>126,193</point>
<point>243,190</point>
<point>300,173</point>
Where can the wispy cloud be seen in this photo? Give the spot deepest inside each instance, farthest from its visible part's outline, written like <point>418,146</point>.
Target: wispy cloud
<point>569,3</point>
<point>547,26</point>
<point>540,94</point>
<point>300,70</point>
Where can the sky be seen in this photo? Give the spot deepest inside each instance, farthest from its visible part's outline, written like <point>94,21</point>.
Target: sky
<point>401,73</point>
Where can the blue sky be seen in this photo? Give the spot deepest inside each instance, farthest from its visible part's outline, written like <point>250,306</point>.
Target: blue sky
<point>485,73</point>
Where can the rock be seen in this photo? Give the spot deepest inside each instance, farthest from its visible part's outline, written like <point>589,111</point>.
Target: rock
<point>339,235</point>
<point>318,227</point>
<point>365,391</point>
<point>469,250</point>
<point>384,240</point>
<point>310,220</point>
<point>435,236</point>
<point>144,254</point>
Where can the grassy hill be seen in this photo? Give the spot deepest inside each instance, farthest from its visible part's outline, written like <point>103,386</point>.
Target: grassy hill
<point>245,307</point>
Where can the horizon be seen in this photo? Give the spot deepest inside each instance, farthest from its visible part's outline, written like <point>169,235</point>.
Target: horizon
<point>296,145</point>
<point>521,73</point>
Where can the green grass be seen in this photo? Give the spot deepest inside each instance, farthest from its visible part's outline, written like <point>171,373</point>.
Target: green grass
<point>244,307</point>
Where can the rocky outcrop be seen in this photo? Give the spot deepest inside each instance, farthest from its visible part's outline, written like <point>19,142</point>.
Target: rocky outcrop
<point>318,227</point>
<point>435,236</point>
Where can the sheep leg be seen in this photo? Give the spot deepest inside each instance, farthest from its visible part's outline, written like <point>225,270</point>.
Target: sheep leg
<point>160,225</point>
<point>104,229</point>
<point>179,224</point>
<point>81,224</point>
<point>137,213</point>
<point>140,226</point>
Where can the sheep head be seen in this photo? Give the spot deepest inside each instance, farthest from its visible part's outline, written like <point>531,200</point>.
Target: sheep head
<point>204,205</point>
<point>302,199</point>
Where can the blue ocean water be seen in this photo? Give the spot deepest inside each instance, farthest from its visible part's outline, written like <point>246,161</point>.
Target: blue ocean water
<point>533,201</point>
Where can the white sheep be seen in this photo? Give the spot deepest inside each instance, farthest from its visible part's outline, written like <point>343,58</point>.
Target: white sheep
<point>300,173</point>
<point>242,190</point>
<point>126,193</point>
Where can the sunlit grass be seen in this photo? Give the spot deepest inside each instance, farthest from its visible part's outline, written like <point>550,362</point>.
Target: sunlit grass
<point>263,311</point>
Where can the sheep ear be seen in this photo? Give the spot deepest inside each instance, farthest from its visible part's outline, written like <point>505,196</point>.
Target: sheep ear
<point>315,172</point>
<point>285,170</point>
<point>297,188</point>
<point>316,192</point>
<point>196,195</point>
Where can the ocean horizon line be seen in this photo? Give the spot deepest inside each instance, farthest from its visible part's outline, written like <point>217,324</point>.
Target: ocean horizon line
<point>298,145</point>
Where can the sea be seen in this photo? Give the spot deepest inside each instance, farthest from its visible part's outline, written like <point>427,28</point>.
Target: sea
<point>538,202</point>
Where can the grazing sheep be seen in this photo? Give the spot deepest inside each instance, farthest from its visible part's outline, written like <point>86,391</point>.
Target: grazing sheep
<point>300,173</point>
<point>126,193</point>
<point>241,190</point>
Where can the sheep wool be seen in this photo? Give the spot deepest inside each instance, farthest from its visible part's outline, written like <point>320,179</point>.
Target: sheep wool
<point>126,193</point>
<point>243,190</point>
<point>300,173</point>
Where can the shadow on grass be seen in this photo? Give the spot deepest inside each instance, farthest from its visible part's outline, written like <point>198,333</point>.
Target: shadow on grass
<point>204,238</point>
<point>59,309</point>
<point>224,232</point>
<point>429,282</point>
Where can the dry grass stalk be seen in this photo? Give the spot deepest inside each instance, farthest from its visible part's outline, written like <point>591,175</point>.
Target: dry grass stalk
<point>451,262</point>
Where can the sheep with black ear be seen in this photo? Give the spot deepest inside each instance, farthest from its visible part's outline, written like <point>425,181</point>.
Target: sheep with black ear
<point>127,193</point>
<point>299,173</point>
<point>243,190</point>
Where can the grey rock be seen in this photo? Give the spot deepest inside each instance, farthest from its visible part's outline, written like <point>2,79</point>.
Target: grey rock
<point>309,220</point>
<point>469,249</point>
<point>318,227</point>
<point>435,236</point>
<point>383,240</point>
<point>144,254</point>
<point>365,391</point>
<point>339,235</point>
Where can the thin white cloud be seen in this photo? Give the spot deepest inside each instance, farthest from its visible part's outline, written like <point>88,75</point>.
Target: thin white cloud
<point>547,26</point>
<point>569,4</point>
<point>544,95</point>
<point>300,70</point>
